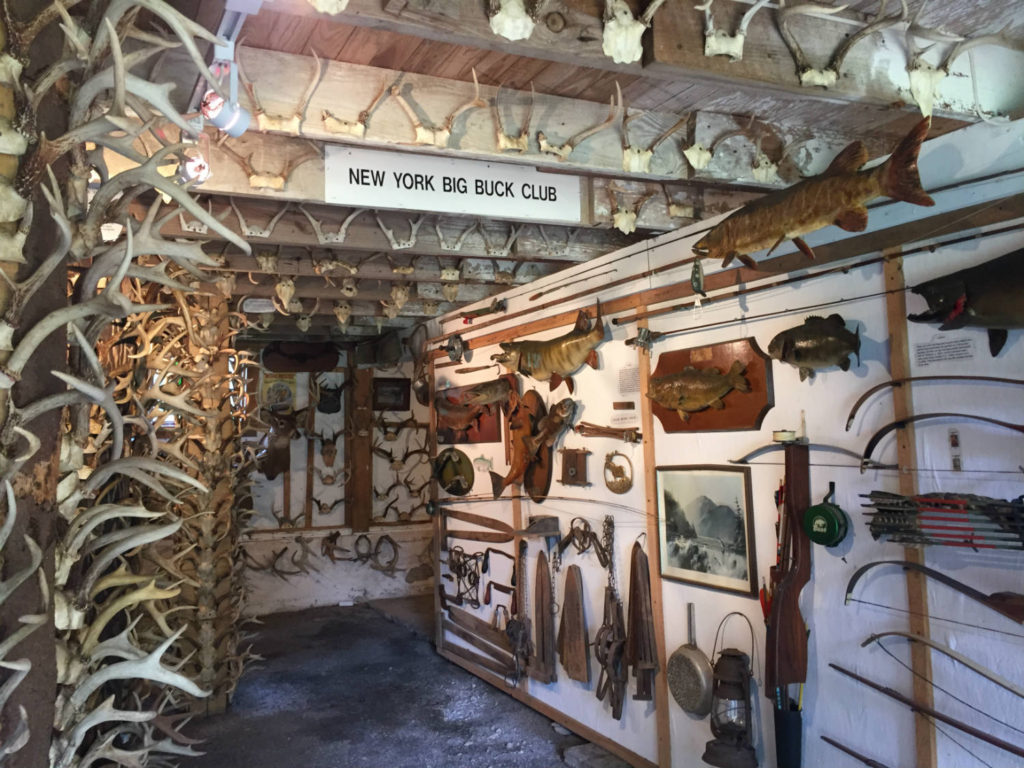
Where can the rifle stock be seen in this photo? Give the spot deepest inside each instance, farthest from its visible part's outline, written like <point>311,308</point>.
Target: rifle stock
<point>786,636</point>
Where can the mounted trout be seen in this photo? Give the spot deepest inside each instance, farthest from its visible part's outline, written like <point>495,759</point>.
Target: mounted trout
<point>985,296</point>
<point>837,196</point>
<point>820,342</point>
<point>501,390</point>
<point>694,389</point>
<point>521,423</point>
<point>551,426</point>
<point>458,418</point>
<point>556,359</point>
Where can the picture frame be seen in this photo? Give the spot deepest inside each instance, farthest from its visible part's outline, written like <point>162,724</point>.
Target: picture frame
<point>391,394</point>
<point>706,527</point>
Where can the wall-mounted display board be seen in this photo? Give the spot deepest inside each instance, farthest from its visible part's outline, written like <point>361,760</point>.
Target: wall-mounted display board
<point>744,310</point>
<point>718,387</point>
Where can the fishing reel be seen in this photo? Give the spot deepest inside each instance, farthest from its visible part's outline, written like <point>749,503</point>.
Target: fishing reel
<point>455,348</point>
<point>826,523</point>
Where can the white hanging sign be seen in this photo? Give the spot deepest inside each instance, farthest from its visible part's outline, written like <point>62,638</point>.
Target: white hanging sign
<point>370,178</point>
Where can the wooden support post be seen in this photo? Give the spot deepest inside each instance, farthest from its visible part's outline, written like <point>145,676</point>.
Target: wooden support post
<point>917,590</point>
<point>662,724</point>
<point>360,451</point>
<point>310,452</point>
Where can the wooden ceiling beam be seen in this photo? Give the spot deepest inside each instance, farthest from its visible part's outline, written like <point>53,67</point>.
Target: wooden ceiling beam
<point>562,246</point>
<point>874,73</point>
<point>302,264</point>
<point>310,289</point>
<point>463,22</point>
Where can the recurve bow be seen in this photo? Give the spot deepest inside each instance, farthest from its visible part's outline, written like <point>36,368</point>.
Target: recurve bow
<point>1009,604</point>
<point>969,663</point>
<point>866,462</point>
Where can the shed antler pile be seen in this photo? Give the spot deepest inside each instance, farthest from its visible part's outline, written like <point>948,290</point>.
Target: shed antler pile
<point>145,586</point>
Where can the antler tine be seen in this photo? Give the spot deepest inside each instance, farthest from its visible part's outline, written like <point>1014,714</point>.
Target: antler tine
<point>999,38</point>
<point>307,96</point>
<point>244,163</point>
<point>246,82</point>
<point>881,21</point>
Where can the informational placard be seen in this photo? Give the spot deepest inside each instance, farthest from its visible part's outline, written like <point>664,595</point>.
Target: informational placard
<point>370,178</point>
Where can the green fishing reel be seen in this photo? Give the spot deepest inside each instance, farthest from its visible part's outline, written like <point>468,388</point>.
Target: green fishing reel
<point>826,523</point>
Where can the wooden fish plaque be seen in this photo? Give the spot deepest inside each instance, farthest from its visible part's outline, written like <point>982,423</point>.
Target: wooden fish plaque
<point>745,373</point>
<point>465,422</point>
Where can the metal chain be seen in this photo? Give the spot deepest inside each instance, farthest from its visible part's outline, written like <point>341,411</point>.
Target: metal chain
<point>608,542</point>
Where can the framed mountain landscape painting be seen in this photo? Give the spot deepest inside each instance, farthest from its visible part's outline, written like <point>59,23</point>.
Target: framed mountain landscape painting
<point>706,528</point>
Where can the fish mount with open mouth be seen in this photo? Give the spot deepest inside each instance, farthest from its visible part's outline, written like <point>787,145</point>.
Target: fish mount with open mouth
<point>555,360</point>
<point>985,296</point>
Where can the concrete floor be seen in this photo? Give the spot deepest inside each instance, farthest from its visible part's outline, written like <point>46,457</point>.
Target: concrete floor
<point>350,688</point>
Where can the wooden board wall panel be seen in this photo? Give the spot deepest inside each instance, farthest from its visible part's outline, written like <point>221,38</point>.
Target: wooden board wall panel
<point>290,34</point>
<point>663,732</point>
<point>359,451</point>
<point>906,452</point>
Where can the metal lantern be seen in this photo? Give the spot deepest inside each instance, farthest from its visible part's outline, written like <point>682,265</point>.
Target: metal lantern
<point>730,713</point>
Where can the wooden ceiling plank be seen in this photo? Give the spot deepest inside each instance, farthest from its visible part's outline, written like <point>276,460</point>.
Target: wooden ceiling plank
<point>330,40</point>
<point>470,27</point>
<point>286,33</point>
<point>364,235</point>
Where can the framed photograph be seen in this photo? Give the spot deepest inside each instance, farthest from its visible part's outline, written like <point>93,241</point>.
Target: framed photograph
<point>391,394</point>
<point>706,527</point>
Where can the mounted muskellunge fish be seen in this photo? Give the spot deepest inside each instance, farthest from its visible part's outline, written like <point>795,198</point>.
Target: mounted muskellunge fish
<point>820,342</point>
<point>556,359</point>
<point>990,295</point>
<point>836,196</point>
<point>694,389</point>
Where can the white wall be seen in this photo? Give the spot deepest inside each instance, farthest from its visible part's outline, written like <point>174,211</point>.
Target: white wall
<point>323,581</point>
<point>833,705</point>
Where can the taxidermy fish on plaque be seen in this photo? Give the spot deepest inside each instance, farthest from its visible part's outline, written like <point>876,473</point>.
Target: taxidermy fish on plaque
<point>555,360</point>
<point>836,196</point>
<point>714,388</point>
<point>821,342</point>
<point>986,296</point>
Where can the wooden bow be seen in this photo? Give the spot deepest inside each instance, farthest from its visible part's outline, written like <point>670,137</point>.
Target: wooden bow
<point>1009,604</point>
<point>866,462</point>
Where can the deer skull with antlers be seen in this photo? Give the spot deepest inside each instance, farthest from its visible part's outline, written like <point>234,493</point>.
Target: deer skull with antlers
<point>622,30</point>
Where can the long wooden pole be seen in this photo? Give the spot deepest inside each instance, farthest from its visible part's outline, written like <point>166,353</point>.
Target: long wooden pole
<point>662,724</point>
<point>917,590</point>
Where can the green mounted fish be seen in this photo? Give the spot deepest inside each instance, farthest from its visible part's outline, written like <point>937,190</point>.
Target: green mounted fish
<point>820,342</point>
<point>694,389</point>
<point>556,359</point>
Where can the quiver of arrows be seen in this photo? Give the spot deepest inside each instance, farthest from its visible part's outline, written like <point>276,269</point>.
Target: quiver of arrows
<point>947,519</point>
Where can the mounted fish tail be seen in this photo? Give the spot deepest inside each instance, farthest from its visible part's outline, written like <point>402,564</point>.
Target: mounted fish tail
<point>836,196</point>
<point>555,360</point>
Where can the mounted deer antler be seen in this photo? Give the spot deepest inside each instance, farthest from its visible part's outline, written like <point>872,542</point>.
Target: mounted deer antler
<point>331,238</point>
<point>622,30</point>
<point>809,76</point>
<point>455,246</point>
<point>265,122</point>
<point>563,151</point>
<point>638,159</point>
<point>925,78</point>
<point>434,136</point>
<point>506,141</point>
<point>251,230</point>
<point>718,42</point>
<point>625,218</point>
<point>265,179</point>
<point>499,251</point>
<point>357,129</point>
<point>396,244</point>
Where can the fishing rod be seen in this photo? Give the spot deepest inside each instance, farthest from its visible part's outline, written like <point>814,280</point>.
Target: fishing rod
<point>744,291</point>
<point>832,270</point>
<point>658,335</point>
<point>546,291</point>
